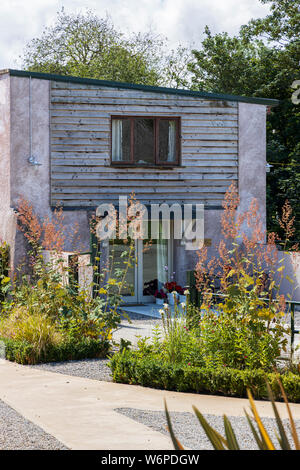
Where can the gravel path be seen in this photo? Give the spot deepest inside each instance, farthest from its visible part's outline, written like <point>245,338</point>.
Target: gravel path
<point>17,433</point>
<point>189,432</point>
<point>96,369</point>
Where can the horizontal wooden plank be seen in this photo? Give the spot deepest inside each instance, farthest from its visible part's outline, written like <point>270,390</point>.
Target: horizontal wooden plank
<point>94,203</point>
<point>132,109</point>
<point>95,114</point>
<point>101,169</point>
<point>210,136</point>
<point>118,101</point>
<point>103,142</point>
<point>145,190</point>
<point>201,164</point>
<point>186,131</point>
<point>76,180</point>
<point>65,134</point>
<point>121,94</point>
<point>86,159</point>
<point>186,122</point>
<point>105,134</point>
<point>64,173</point>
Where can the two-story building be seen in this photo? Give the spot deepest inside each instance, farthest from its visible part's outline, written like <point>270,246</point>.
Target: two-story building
<point>81,142</point>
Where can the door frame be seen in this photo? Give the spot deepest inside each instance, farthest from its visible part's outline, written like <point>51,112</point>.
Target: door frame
<point>138,297</point>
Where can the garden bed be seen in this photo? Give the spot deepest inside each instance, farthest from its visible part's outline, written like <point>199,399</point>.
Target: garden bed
<point>149,372</point>
<point>23,352</point>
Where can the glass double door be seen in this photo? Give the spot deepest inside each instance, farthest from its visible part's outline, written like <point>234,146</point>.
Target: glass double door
<point>147,271</point>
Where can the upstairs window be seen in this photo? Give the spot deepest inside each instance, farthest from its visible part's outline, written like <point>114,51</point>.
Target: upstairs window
<point>145,141</point>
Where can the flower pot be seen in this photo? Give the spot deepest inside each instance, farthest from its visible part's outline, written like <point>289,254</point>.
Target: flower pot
<point>159,301</point>
<point>171,298</point>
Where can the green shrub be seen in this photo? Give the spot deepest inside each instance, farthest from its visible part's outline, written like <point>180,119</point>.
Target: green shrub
<point>150,371</point>
<point>38,330</point>
<point>23,352</point>
<point>231,341</point>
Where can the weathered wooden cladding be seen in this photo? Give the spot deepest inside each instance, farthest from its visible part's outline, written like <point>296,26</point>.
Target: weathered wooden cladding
<point>81,173</point>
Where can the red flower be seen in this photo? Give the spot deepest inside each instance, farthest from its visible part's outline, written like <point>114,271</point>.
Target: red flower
<point>170,286</point>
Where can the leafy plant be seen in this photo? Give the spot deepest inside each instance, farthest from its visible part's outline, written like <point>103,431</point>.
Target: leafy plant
<point>5,281</point>
<point>262,438</point>
<point>36,329</point>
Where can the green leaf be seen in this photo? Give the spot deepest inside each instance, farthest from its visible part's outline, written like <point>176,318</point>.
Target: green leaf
<point>176,443</point>
<point>230,435</point>
<point>217,441</point>
<point>284,442</point>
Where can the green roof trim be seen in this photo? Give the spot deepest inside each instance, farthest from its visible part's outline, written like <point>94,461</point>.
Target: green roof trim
<point>133,86</point>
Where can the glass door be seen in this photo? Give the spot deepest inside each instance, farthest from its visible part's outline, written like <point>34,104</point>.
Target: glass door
<point>149,270</point>
<point>154,267</point>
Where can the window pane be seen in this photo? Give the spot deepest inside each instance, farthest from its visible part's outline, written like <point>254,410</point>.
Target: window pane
<point>121,140</point>
<point>167,150</point>
<point>144,141</point>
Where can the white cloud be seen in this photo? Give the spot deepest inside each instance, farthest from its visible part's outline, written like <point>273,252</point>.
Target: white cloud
<point>179,20</point>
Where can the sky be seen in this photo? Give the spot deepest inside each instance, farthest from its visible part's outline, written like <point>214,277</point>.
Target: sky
<point>181,21</point>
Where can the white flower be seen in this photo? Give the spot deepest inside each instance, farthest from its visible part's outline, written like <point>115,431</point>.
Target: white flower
<point>183,304</point>
<point>161,311</point>
<point>174,292</point>
<point>166,306</point>
<point>186,292</point>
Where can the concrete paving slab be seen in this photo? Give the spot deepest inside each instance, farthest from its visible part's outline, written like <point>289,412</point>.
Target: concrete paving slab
<point>81,414</point>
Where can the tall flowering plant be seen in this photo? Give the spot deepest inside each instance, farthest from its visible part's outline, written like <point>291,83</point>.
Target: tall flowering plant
<point>248,265</point>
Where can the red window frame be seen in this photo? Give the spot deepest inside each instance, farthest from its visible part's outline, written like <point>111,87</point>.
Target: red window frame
<point>156,161</point>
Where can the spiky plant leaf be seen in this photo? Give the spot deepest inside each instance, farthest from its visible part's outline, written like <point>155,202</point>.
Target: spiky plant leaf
<point>176,443</point>
<point>264,435</point>
<point>259,442</point>
<point>283,440</point>
<point>218,442</point>
<point>292,423</point>
<point>230,435</point>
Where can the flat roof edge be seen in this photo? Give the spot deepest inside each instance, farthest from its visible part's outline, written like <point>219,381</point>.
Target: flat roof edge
<point>134,86</point>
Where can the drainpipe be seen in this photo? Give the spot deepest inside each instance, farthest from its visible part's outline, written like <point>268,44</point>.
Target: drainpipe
<point>31,159</point>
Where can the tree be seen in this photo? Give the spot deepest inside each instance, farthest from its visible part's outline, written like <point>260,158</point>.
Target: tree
<point>263,60</point>
<point>231,65</point>
<point>85,45</point>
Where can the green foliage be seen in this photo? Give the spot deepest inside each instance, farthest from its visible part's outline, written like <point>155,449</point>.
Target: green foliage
<point>48,314</point>
<point>23,352</point>
<point>231,65</point>
<point>38,330</point>
<point>150,371</point>
<point>230,341</point>
<point>85,45</point>
<point>263,60</point>
<point>281,25</point>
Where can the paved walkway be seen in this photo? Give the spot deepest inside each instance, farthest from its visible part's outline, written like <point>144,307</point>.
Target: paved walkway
<point>81,414</point>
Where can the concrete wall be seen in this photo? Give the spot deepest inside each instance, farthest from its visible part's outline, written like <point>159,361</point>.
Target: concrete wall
<point>290,273</point>
<point>252,157</point>
<point>29,181</point>
<point>7,215</point>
